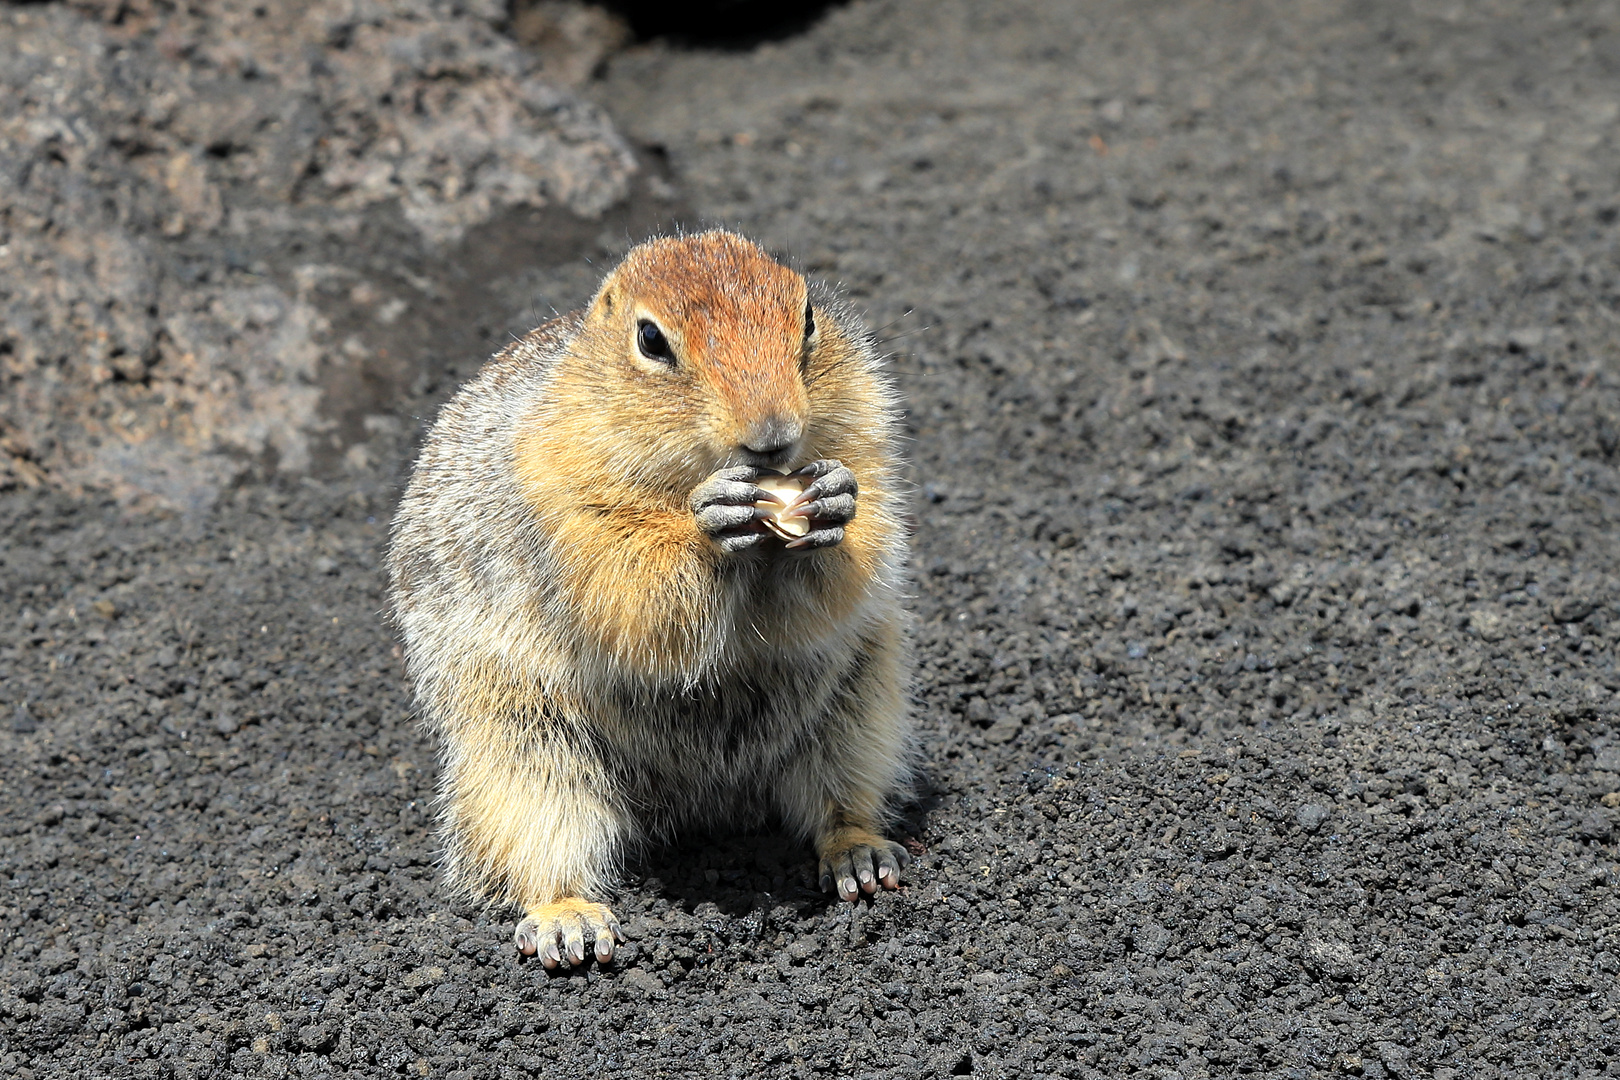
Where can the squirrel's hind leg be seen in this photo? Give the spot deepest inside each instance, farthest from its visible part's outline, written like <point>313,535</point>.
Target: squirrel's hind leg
<point>840,794</point>
<point>528,826</point>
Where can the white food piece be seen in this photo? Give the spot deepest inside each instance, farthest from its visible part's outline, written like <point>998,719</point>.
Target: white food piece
<point>786,488</point>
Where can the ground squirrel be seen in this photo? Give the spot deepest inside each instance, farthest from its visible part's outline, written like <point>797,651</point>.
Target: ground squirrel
<point>605,638</point>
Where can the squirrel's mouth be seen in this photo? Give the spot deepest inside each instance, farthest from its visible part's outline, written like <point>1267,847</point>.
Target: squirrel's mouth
<point>775,459</point>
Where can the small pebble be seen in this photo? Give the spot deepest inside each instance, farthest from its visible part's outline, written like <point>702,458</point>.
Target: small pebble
<point>1311,816</point>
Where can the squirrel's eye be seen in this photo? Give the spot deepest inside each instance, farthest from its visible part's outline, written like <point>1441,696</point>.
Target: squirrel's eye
<point>653,344</point>
<point>809,321</point>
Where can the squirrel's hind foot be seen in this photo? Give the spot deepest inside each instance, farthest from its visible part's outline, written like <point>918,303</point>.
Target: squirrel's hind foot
<point>859,862</point>
<point>560,930</point>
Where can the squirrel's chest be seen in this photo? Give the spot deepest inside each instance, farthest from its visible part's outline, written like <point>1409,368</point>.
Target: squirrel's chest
<point>722,731</point>
<point>769,609</point>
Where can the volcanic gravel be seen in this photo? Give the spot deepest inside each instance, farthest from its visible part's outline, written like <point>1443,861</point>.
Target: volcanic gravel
<point>1260,362</point>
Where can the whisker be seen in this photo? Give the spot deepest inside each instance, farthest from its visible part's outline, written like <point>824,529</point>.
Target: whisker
<point>891,322</point>
<point>902,334</point>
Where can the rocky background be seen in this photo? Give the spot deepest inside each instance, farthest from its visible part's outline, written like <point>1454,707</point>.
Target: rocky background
<point>182,185</point>
<point>1261,366</point>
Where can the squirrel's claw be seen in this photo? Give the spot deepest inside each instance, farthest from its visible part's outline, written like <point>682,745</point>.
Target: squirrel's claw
<point>834,509</point>
<point>828,477</point>
<point>723,506</point>
<point>605,938</point>
<point>862,869</point>
<point>819,468</point>
<point>818,538</point>
<point>558,931</point>
<point>828,502</point>
<point>720,517</point>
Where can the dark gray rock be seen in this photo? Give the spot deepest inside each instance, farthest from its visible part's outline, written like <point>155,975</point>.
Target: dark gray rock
<point>1598,824</point>
<point>1311,816</point>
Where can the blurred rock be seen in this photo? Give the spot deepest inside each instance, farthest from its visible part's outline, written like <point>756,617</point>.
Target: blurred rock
<point>150,158</point>
<point>570,39</point>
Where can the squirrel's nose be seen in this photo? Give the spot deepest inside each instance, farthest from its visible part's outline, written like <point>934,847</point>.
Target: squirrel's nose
<point>772,435</point>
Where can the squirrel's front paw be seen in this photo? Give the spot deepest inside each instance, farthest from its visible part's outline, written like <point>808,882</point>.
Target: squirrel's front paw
<point>724,508</point>
<point>562,929</point>
<point>828,503</point>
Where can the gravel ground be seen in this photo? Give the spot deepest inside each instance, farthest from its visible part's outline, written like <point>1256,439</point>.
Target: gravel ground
<point>1261,366</point>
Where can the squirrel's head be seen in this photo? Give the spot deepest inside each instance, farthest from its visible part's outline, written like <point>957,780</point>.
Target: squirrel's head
<point>705,343</point>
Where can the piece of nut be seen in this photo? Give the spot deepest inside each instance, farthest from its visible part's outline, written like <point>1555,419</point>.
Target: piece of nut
<point>786,488</point>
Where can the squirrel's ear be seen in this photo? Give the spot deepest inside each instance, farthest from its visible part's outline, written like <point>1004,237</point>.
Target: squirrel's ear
<point>607,302</point>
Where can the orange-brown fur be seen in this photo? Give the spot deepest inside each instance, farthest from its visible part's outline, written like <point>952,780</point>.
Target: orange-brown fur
<point>598,670</point>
